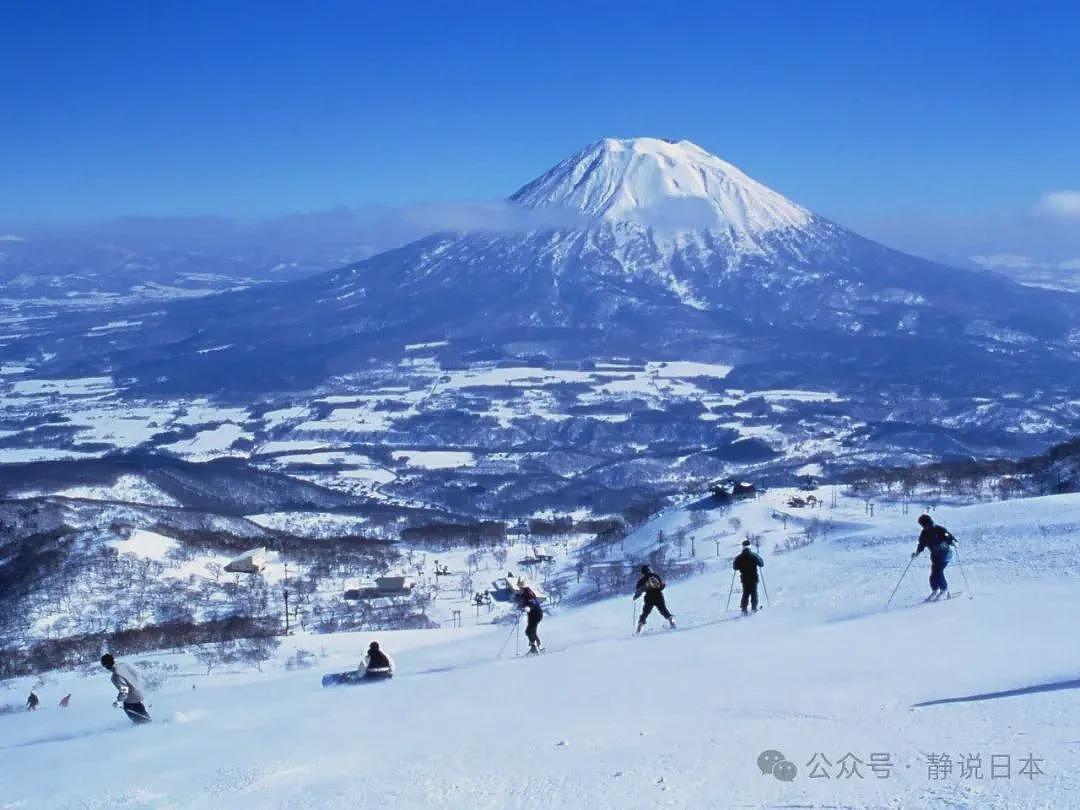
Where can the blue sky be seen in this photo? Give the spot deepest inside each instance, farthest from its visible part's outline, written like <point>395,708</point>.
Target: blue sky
<point>865,112</point>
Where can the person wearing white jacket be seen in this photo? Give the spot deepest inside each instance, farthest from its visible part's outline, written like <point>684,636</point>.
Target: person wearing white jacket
<point>129,690</point>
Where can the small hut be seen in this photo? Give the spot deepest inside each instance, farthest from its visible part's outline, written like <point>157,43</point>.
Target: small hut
<point>730,489</point>
<point>250,562</point>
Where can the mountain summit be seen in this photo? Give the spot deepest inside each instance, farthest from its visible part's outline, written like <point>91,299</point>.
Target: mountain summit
<point>663,184</point>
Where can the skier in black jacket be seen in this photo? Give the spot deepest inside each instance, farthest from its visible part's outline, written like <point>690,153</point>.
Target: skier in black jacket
<point>940,543</point>
<point>747,564</point>
<point>652,585</point>
<point>530,603</point>
<point>377,666</point>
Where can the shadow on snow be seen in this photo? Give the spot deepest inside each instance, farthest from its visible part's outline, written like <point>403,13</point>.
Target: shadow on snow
<point>1055,686</point>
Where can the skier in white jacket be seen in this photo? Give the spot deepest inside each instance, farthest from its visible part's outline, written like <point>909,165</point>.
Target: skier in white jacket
<point>129,694</point>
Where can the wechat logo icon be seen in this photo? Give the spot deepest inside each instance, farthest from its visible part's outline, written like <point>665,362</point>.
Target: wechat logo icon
<point>772,761</point>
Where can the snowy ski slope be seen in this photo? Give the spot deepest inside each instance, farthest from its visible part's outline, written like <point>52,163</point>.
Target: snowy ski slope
<point>607,720</point>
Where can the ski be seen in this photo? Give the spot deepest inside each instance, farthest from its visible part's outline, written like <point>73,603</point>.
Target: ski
<point>948,598</point>
<point>350,678</point>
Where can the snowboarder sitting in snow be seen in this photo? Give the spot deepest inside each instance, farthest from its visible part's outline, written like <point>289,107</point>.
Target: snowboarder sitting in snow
<point>32,702</point>
<point>530,602</point>
<point>129,693</point>
<point>652,586</point>
<point>747,564</point>
<point>378,666</point>
<point>940,542</point>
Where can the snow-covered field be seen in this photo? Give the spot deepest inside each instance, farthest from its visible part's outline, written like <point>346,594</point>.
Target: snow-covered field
<point>95,412</point>
<point>671,719</point>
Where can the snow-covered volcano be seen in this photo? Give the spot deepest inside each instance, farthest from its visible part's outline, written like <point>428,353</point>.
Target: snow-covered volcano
<point>636,247</point>
<point>663,184</point>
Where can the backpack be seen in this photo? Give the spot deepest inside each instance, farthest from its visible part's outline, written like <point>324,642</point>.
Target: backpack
<point>377,660</point>
<point>940,545</point>
<point>943,537</point>
<point>654,583</point>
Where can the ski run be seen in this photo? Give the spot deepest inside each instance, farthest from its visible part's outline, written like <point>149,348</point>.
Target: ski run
<point>824,698</point>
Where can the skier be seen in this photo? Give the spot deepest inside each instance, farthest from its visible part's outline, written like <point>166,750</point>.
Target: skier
<point>130,692</point>
<point>65,701</point>
<point>747,564</point>
<point>652,586</point>
<point>940,542</point>
<point>378,666</point>
<point>32,702</point>
<point>530,602</point>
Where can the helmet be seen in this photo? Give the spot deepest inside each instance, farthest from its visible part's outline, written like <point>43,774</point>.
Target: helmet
<point>746,543</point>
<point>373,646</point>
<point>107,661</point>
<point>926,520</point>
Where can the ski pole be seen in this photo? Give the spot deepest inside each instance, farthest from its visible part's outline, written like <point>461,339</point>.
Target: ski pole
<point>731,590</point>
<point>517,636</point>
<point>963,573</point>
<point>894,590</point>
<point>502,649</point>
<point>764,588</point>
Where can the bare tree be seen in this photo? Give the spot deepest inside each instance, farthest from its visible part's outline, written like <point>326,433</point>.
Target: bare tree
<point>680,541</point>
<point>556,591</point>
<point>549,570</point>
<point>465,584</point>
<point>256,651</point>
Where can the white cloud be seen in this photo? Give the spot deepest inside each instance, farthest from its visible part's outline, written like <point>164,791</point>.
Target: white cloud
<point>10,237</point>
<point>496,215</point>
<point>1005,261</point>
<point>1064,203</point>
<point>1071,264</point>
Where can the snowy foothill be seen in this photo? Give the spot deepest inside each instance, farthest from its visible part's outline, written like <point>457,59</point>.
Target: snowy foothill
<point>126,489</point>
<point>966,703</point>
<point>146,544</point>
<point>616,405</point>
<point>209,444</point>
<point>311,524</point>
<point>68,387</point>
<point>434,459</point>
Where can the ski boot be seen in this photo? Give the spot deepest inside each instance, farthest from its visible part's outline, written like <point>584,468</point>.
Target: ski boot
<point>671,622</point>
